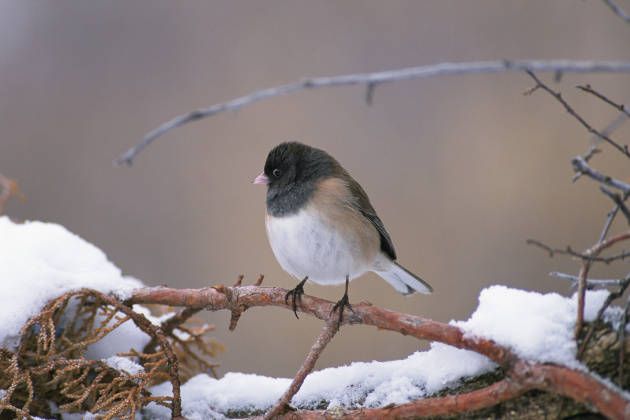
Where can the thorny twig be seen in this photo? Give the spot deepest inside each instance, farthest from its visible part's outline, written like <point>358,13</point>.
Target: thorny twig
<point>371,80</point>
<point>580,255</point>
<point>558,96</point>
<point>619,107</point>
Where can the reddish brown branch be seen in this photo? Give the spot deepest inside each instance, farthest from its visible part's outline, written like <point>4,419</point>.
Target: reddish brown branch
<point>522,375</point>
<point>328,332</point>
<point>226,298</point>
<point>496,393</point>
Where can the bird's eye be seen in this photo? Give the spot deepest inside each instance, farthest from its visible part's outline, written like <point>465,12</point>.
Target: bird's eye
<point>276,172</point>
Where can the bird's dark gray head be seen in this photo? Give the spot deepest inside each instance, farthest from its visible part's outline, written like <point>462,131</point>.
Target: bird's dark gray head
<point>291,171</point>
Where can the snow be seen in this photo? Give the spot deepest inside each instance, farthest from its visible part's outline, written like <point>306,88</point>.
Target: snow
<point>365,384</point>
<point>40,261</point>
<point>123,364</point>
<point>537,327</point>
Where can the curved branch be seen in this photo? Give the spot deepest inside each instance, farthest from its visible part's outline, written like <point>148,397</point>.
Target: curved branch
<point>371,80</point>
<point>521,375</point>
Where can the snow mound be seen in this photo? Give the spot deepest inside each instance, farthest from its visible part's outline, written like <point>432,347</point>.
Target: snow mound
<point>360,384</point>
<point>41,261</point>
<point>537,327</point>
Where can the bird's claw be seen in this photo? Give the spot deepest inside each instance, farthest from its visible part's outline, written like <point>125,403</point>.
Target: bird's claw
<point>296,295</point>
<point>343,303</point>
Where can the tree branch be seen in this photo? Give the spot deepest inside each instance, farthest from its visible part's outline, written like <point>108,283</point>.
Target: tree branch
<point>522,375</point>
<point>619,107</point>
<point>580,166</point>
<point>617,10</point>
<point>371,80</point>
<point>328,332</point>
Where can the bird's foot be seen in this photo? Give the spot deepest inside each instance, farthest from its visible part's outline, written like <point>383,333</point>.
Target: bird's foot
<point>342,304</point>
<point>296,295</point>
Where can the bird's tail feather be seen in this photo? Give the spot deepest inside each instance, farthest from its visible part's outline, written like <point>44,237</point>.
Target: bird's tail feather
<point>404,281</point>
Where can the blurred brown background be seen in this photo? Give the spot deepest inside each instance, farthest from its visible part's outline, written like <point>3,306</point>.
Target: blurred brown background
<point>461,169</point>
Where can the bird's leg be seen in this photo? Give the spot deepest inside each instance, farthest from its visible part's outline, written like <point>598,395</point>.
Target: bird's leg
<point>296,294</point>
<point>342,303</point>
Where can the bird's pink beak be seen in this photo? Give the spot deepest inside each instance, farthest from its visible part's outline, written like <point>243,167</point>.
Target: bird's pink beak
<point>261,179</point>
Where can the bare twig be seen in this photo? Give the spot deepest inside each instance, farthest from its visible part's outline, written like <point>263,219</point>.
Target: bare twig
<point>617,10</point>
<point>613,125</point>
<point>558,96</point>
<point>377,78</point>
<point>580,255</point>
<point>522,375</point>
<point>622,339</point>
<point>328,332</point>
<point>608,223</point>
<point>586,265</point>
<point>592,283</point>
<point>619,107</point>
<point>618,200</point>
<point>580,166</point>
<point>259,280</point>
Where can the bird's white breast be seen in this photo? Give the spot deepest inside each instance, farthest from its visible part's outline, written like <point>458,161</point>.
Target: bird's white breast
<point>308,244</point>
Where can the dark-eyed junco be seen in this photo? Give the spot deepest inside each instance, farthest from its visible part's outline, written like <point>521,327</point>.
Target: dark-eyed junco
<point>322,227</point>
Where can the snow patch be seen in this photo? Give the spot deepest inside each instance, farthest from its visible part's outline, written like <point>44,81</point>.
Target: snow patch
<point>41,261</point>
<point>123,364</point>
<point>535,326</point>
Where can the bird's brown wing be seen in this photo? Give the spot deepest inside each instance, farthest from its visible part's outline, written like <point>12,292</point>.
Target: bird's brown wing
<point>363,205</point>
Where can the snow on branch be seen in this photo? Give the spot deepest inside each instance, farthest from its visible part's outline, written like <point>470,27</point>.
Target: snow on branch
<point>372,80</point>
<point>522,373</point>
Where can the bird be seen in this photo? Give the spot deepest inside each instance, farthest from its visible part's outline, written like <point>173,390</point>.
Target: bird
<point>322,226</point>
